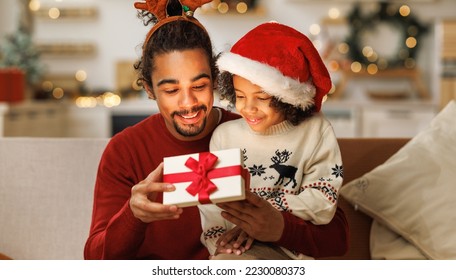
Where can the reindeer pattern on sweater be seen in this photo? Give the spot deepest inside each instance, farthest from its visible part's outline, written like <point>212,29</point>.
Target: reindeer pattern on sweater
<point>295,168</point>
<point>273,181</point>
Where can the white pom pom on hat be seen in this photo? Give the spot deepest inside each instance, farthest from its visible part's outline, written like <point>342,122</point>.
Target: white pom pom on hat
<point>283,62</point>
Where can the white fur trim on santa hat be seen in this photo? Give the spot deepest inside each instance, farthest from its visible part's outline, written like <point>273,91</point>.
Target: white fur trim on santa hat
<point>270,79</point>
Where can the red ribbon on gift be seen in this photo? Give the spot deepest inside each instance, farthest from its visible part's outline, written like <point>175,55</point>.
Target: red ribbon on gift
<point>202,171</point>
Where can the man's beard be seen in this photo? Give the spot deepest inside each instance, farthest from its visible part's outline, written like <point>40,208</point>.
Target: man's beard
<point>190,130</point>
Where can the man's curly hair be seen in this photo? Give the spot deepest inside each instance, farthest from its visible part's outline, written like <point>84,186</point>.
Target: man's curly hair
<point>176,35</point>
<point>293,114</point>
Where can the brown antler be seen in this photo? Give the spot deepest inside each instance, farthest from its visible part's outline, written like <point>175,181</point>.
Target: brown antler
<point>156,7</point>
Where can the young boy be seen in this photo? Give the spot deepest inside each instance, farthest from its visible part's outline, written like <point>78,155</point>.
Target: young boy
<point>277,80</point>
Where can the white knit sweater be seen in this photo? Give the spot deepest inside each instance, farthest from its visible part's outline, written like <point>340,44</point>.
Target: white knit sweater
<point>296,168</point>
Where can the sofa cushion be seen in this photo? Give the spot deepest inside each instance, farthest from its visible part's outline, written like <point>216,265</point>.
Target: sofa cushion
<point>46,196</point>
<point>414,191</point>
<point>385,244</point>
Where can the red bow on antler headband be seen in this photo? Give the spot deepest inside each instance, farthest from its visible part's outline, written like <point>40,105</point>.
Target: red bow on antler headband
<point>158,7</point>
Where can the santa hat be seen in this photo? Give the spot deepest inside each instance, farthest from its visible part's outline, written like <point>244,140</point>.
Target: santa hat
<point>283,62</point>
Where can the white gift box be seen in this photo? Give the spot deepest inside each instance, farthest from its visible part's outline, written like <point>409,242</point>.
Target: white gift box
<point>226,174</point>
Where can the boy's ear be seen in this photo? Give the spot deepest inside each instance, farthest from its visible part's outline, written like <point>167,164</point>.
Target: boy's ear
<point>149,91</point>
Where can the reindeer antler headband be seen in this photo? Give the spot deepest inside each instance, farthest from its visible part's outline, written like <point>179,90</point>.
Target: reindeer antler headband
<point>158,9</point>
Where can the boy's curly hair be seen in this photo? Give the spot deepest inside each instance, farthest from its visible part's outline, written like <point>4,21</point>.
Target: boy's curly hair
<point>293,114</point>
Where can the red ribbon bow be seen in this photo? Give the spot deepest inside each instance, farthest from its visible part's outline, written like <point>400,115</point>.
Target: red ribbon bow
<point>202,171</point>
<point>201,185</point>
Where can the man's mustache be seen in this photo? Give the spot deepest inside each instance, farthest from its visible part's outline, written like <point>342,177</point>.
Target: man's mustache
<point>192,110</point>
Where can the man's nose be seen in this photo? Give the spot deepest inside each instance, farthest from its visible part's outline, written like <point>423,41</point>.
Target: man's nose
<point>187,98</point>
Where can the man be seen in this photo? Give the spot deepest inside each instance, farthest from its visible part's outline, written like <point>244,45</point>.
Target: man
<point>129,220</point>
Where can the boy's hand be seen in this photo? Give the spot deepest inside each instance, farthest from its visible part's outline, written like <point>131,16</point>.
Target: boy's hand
<point>257,217</point>
<point>234,241</point>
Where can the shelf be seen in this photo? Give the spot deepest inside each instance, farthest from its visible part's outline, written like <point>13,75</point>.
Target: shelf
<point>413,75</point>
<point>354,117</point>
<point>449,40</point>
<point>53,13</point>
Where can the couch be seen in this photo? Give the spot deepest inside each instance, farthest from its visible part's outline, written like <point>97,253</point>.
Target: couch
<point>46,191</point>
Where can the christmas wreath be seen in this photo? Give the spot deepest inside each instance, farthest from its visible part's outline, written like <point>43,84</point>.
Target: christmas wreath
<point>409,32</point>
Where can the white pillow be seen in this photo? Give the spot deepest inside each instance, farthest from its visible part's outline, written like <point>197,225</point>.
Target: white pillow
<point>414,192</point>
<point>388,245</point>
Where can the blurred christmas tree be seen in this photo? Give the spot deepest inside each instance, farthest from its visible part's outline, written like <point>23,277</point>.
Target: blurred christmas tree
<point>18,50</point>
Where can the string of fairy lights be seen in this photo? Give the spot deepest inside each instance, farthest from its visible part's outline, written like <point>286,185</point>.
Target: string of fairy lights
<point>106,99</point>
<point>357,56</point>
<point>230,6</point>
<point>110,99</point>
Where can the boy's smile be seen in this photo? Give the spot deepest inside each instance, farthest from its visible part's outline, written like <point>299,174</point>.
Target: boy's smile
<point>254,105</point>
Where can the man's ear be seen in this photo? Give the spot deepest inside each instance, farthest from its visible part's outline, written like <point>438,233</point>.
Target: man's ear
<point>149,91</point>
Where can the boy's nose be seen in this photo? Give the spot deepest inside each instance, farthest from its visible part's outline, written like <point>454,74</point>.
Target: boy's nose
<point>250,106</point>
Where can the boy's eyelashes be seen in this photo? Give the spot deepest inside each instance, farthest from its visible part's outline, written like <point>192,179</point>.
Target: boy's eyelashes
<point>260,98</point>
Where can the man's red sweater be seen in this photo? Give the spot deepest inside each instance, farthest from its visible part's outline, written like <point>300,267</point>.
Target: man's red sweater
<point>116,234</point>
